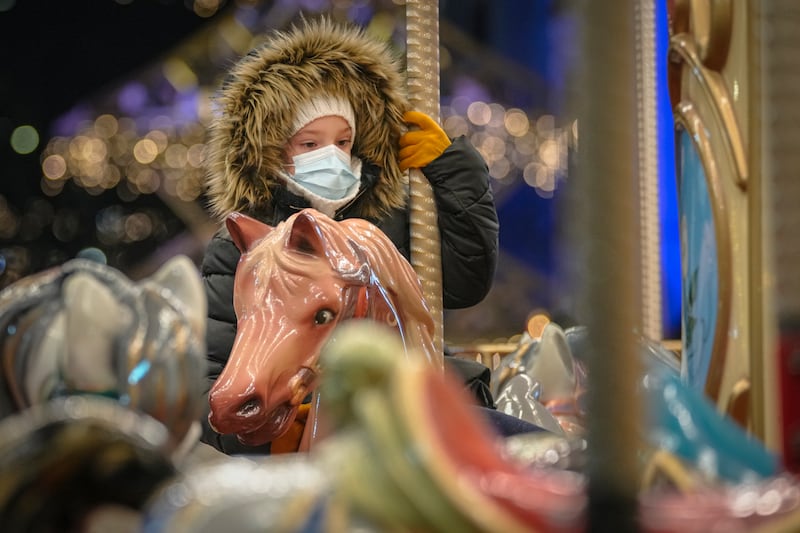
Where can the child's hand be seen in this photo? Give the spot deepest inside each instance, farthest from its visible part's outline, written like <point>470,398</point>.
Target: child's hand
<point>420,147</point>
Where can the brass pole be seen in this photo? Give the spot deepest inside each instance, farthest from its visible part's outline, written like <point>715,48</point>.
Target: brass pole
<point>649,176</point>
<point>422,58</point>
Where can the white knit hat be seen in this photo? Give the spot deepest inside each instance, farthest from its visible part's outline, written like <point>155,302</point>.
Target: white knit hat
<point>324,106</point>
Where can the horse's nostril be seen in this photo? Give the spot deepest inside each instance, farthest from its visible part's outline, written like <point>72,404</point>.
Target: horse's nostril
<point>249,408</point>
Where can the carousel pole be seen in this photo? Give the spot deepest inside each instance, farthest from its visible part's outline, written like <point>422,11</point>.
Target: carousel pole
<point>604,209</point>
<point>422,59</point>
<point>648,169</point>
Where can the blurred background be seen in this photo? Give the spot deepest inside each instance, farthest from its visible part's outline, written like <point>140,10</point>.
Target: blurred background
<point>104,106</point>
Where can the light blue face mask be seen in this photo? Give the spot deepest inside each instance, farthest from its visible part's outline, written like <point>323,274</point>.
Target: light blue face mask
<point>325,171</point>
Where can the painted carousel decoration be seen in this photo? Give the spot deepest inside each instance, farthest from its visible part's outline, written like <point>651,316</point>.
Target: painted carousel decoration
<point>709,81</point>
<point>736,154</point>
<point>294,284</point>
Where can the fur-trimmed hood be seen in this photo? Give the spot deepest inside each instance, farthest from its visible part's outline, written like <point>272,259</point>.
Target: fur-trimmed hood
<point>255,110</point>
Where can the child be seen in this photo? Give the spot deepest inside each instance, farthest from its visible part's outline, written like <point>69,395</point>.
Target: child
<point>315,117</point>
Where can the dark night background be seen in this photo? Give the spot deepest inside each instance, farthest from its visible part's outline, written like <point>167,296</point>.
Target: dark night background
<point>56,55</point>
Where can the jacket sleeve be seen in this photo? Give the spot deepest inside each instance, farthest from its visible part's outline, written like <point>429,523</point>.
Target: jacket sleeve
<point>468,223</point>
<point>217,270</point>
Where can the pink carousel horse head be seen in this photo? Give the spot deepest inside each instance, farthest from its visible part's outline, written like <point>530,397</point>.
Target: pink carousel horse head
<point>294,283</point>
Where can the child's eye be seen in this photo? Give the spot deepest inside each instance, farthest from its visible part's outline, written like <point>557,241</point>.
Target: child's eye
<point>308,144</point>
<point>343,142</point>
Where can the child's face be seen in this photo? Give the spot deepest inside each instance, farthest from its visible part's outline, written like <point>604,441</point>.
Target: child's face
<point>318,134</point>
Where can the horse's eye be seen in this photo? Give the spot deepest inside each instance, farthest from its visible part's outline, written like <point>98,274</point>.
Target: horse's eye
<point>324,316</point>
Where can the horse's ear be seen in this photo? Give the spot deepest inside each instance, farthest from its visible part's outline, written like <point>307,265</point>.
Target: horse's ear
<point>245,230</point>
<point>305,235</point>
<point>179,276</point>
<point>92,306</point>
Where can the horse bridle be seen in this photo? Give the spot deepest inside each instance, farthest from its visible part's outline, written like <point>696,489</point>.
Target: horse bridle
<point>363,290</point>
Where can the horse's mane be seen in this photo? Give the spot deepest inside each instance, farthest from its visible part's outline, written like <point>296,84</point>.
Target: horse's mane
<point>344,242</point>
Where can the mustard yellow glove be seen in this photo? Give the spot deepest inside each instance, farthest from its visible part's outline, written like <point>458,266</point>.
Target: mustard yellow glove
<point>419,147</point>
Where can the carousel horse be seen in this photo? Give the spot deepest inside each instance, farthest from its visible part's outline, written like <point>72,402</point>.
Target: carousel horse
<point>85,328</point>
<point>407,453</point>
<point>294,284</point>
<point>681,424</point>
<point>80,463</point>
<point>542,383</point>
<point>101,386</point>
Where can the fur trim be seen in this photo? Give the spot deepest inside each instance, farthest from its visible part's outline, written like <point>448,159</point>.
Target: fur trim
<point>258,100</point>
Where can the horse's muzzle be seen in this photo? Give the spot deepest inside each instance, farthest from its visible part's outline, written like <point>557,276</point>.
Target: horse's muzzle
<point>256,414</point>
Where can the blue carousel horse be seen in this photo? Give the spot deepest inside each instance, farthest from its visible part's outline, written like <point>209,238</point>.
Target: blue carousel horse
<point>680,422</point>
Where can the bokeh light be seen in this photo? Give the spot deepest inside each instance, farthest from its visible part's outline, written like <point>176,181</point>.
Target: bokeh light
<point>24,139</point>
<point>106,126</point>
<point>54,167</point>
<point>206,8</point>
<point>9,221</point>
<point>66,224</point>
<point>479,113</point>
<point>145,151</point>
<point>513,143</point>
<point>516,122</point>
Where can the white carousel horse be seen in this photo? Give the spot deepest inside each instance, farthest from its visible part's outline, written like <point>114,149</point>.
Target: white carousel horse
<point>85,328</point>
<point>542,383</point>
<point>101,388</point>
